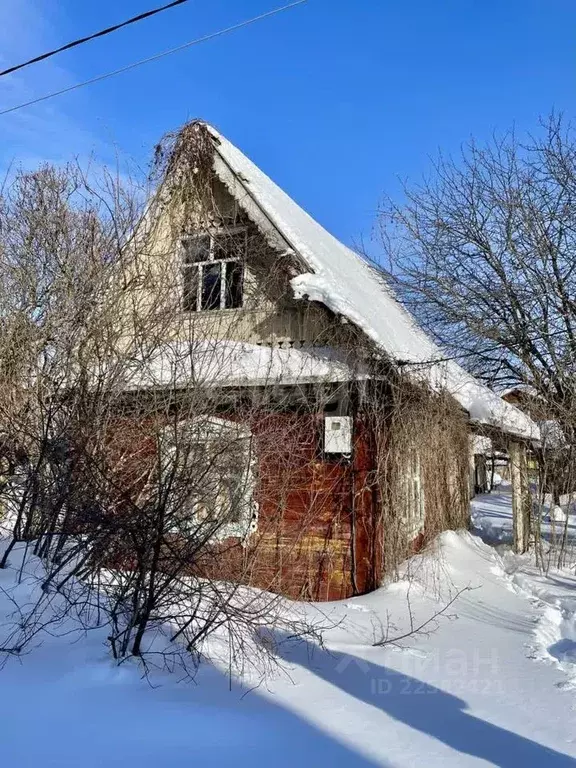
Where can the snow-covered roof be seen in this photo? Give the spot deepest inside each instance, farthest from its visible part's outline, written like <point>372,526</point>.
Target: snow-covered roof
<point>345,283</point>
<point>226,363</point>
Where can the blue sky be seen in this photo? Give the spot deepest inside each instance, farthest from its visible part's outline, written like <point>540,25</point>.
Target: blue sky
<point>334,99</point>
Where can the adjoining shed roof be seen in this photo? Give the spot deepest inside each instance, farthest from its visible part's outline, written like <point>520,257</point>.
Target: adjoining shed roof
<point>345,283</point>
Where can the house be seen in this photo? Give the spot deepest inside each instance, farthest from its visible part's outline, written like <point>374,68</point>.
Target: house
<point>347,434</point>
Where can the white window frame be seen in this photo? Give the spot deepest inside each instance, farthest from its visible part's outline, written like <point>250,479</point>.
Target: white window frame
<point>199,265</point>
<point>212,428</point>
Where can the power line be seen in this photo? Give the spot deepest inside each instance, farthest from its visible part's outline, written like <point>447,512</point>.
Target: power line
<point>157,56</point>
<point>101,33</point>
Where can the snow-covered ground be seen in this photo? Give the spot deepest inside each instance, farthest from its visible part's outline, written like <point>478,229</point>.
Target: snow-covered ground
<point>554,592</point>
<point>492,518</point>
<point>489,682</point>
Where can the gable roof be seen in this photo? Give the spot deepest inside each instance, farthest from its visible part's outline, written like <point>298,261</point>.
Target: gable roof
<point>344,282</point>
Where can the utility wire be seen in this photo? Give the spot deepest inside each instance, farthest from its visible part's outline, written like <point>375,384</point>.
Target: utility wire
<point>101,33</point>
<point>157,56</point>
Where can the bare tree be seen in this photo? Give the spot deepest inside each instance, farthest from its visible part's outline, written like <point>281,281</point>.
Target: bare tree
<point>483,254</point>
<point>125,469</point>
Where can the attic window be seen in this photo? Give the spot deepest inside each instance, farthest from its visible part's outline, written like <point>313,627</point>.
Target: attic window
<point>213,270</point>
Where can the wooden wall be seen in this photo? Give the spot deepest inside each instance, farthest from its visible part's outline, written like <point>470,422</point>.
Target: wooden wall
<point>327,526</point>
<point>318,516</point>
<point>318,532</point>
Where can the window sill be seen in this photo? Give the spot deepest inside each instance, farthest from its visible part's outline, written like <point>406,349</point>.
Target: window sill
<point>209,312</point>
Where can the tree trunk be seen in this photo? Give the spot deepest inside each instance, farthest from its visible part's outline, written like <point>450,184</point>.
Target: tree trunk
<point>520,497</point>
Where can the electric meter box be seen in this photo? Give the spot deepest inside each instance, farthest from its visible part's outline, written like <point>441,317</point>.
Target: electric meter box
<point>338,434</point>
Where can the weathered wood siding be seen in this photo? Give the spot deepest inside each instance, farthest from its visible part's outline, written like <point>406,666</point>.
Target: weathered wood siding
<point>318,517</point>
<point>318,535</point>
